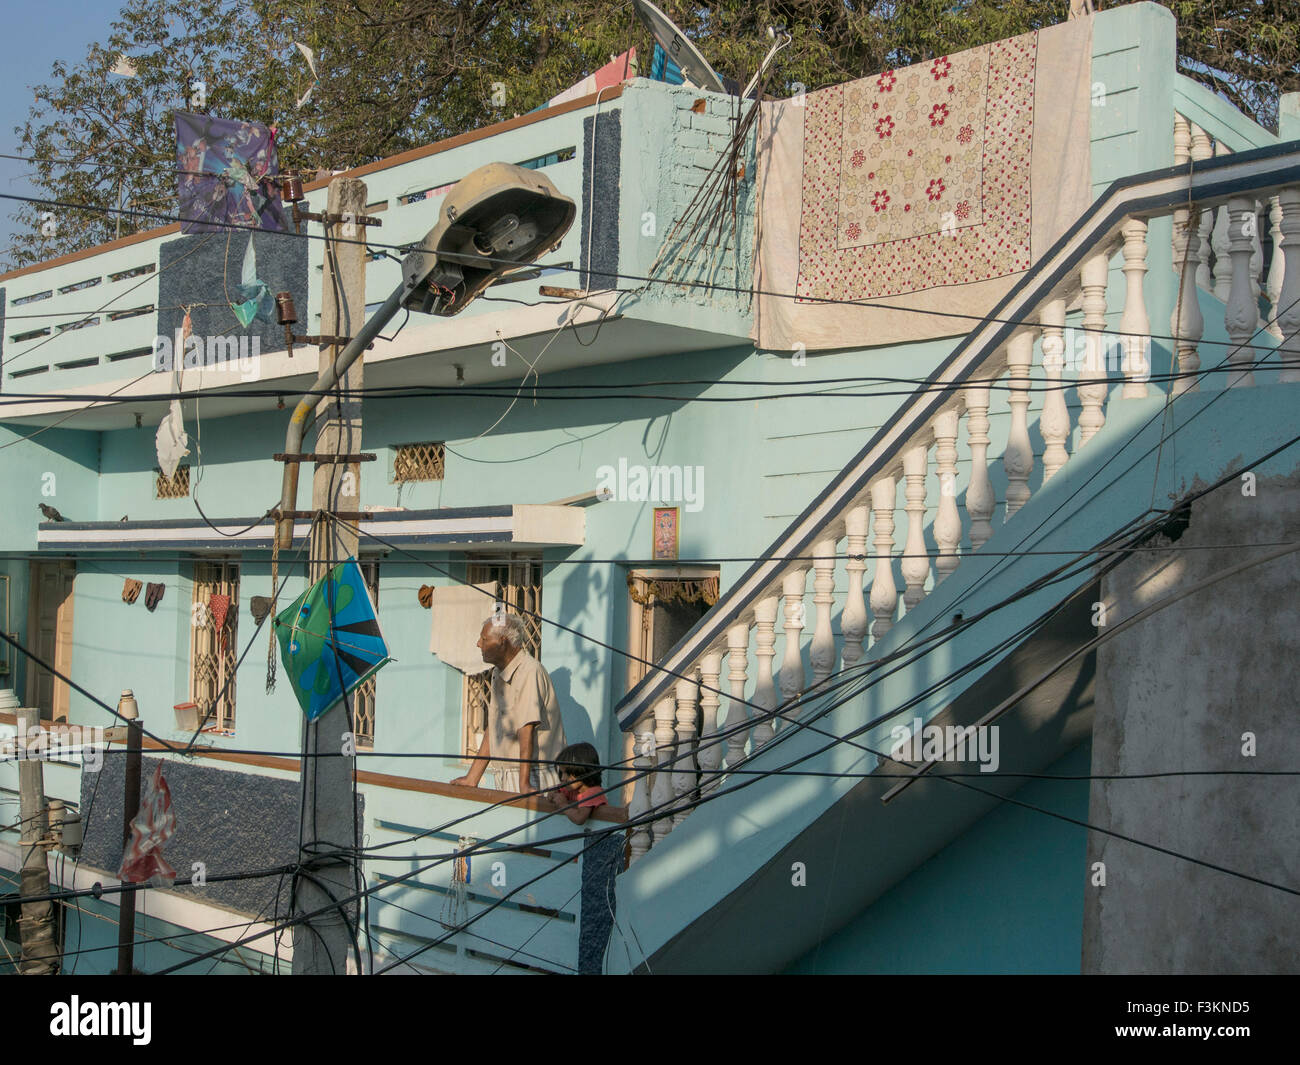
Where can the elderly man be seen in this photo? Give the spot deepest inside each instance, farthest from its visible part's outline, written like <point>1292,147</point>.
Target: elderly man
<point>524,726</point>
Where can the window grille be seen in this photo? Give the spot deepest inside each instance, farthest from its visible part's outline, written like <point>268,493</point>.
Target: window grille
<point>177,486</point>
<point>520,581</point>
<point>363,697</point>
<point>135,271</point>
<point>418,462</point>
<point>213,651</point>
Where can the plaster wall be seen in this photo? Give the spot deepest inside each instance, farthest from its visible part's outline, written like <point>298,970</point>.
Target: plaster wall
<point>1208,683</point>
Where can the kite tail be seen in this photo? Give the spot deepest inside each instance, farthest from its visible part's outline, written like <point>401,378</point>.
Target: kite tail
<point>275,585</point>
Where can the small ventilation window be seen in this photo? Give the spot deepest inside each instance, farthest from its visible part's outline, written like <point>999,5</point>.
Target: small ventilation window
<point>135,271</point>
<point>133,312</point>
<point>84,323</point>
<point>175,487</point>
<point>418,462</point>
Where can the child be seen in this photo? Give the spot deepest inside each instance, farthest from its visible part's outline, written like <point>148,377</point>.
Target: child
<point>579,769</point>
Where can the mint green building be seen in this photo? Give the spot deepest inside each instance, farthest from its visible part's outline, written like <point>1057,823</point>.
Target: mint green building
<point>744,569</point>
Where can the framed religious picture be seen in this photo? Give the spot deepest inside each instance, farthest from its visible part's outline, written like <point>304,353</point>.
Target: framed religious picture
<point>665,533</point>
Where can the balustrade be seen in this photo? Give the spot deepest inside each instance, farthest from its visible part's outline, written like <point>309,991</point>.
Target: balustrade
<point>870,517</point>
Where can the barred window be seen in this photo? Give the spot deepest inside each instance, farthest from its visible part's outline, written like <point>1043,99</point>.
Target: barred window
<point>418,462</point>
<point>212,647</point>
<point>363,697</point>
<point>177,486</point>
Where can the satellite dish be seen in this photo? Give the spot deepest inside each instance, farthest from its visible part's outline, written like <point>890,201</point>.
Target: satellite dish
<point>680,50</point>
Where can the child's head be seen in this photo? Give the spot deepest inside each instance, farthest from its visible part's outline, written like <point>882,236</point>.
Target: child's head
<point>579,764</point>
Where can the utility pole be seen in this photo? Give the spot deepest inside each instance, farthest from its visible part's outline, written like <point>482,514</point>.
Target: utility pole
<point>129,709</point>
<point>40,953</point>
<point>322,943</point>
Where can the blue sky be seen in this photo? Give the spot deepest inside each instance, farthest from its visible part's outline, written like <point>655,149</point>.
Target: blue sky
<point>38,34</point>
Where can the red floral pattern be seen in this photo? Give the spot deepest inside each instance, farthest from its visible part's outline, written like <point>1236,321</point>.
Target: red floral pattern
<point>940,155</point>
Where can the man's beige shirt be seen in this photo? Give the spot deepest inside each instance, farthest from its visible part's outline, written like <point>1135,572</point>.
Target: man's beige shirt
<point>522,693</point>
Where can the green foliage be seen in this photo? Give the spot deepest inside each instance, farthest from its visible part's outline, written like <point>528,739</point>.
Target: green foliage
<point>396,74</point>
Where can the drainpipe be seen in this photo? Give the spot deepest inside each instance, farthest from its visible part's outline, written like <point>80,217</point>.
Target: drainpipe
<point>304,412</point>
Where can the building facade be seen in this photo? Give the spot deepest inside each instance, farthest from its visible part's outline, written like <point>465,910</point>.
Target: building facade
<point>620,463</point>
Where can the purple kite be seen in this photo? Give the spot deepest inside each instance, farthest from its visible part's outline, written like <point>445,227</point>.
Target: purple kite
<point>224,171</point>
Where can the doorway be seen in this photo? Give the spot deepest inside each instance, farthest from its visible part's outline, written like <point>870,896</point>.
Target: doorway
<point>49,634</point>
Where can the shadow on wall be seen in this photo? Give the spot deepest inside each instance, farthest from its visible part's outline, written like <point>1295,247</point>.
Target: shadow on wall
<point>577,721</point>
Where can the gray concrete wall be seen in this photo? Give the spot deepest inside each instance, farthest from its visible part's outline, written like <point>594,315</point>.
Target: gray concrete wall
<point>1179,691</point>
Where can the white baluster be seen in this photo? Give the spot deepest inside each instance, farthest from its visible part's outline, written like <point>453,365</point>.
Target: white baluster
<point>853,618</point>
<point>661,792</point>
<point>1018,458</point>
<point>1288,318</point>
<point>643,750</point>
<point>764,689</point>
<point>1182,139</point>
<point>738,665</point>
<point>684,778</point>
<point>793,587</point>
<point>1054,422</point>
<point>822,652</point>
<point>1186,323</point>
<point>1182,156</point>
<point>1241,316</point>
<point>915,565</point>
<point>979,493</point>
<point>710,750</point>
<point>884,592</point>
<point>1134,325</point>
<point>947,522</point>
<point>1275,265</point>
<point>1202,149</point>
<point>1219,240</point>
<point>1092,387</point>
<point>1256,260</point>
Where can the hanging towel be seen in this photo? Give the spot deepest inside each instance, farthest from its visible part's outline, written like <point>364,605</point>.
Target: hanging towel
<point>153,595</point>
<point>425,595</point>
<point>458,615</point>
<point>131,590</point>
<point>929,188</point>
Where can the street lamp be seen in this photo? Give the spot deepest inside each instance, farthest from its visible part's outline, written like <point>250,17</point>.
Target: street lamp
<point>497,218</point>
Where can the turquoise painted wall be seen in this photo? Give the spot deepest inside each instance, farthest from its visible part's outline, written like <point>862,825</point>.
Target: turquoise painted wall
<point>1006,897</point>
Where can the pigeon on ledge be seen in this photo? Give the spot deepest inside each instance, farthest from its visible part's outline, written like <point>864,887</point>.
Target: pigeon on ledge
<point>50,513</point>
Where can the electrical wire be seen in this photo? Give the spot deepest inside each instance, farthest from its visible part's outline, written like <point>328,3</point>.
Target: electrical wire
<point>976,319</point>
<point>600,392</point>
